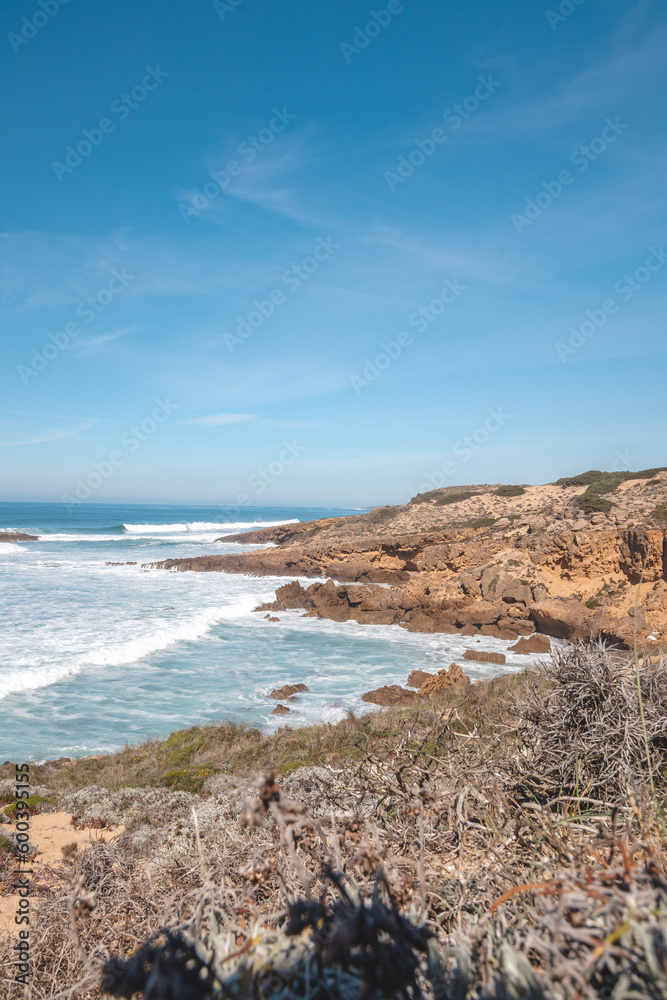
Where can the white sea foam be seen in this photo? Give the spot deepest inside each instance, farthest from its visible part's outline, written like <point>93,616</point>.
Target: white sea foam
<point>160,637</point>
<point>62,537</point>
<point>167,635</point>
<point>231,526</point>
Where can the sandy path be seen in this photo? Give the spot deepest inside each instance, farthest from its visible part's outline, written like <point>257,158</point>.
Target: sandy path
<point>49,832</point>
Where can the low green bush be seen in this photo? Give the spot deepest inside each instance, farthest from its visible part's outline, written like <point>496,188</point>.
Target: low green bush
<point>509,491</point>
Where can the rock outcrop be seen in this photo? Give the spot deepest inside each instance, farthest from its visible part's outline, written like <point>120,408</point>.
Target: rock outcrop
<point>390,695</point>
<point>535,644</point>
<point>563,560</point>
<point>17,536</point>
<point>433,688</point>
<point>445,681</point>
<point>484,656</point>
<point>287,691</point>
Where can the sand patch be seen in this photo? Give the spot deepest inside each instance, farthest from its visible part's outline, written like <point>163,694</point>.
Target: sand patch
<point>49,832</point>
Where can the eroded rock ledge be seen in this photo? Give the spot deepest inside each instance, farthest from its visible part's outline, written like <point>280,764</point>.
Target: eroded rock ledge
<point>17,536</point>
<point>447,562</point>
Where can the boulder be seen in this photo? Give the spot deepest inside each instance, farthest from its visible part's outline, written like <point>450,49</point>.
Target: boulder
<point>291,595</point>
<point>285,692</point>
<point>417,678</point>
<point>282,710</point>
<point>452,679</point>
<point>535,644</point>
<point>481,656</point>
<point>479,613</point>
<point>563,618</point>
<point>327,602</point>
<point>390,695</point>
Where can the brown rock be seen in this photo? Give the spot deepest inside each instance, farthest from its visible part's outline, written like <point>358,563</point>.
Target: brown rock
<point>536,644</point>
<point>272,618</point>
<point>417,678</point>
<point>420,622</point>
<point>282,710</point>
<point>492,631</point>
<point>17,536</point>
<point>391,694</point>
<point>289,689</point>
<point>479,613</point>
<point>291,595</point>
<point>484,657</point>
<point>563,619</point>
<point>445,681</point>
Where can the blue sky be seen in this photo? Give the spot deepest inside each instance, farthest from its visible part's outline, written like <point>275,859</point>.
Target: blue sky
<point>471,195</point>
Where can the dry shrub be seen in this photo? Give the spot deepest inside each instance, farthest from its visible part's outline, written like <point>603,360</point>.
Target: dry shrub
<point>587,732</point>
<point>418,866</point>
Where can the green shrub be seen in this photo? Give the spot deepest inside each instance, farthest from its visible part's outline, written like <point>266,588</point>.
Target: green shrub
<point>182,746</point>
<point>509,491</point>
<point>32,804</point>
<point>484,522</point>
<point>440,499</point>
<point>660,512</point>
<point>189,779</point>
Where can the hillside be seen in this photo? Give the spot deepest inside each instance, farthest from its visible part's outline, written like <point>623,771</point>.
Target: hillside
<point>564,559</point>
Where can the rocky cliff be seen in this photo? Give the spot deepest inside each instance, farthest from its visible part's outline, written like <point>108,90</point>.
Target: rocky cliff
<point>564,559</point>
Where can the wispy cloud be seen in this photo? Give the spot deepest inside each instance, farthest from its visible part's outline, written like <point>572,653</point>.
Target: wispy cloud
<point>93,343</point>
<point>54,435</point>
<point>221,419</point>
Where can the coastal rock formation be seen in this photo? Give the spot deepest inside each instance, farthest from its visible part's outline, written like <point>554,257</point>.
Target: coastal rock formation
<point>17,536</point>
<point>444,681</point>
<point>282,710</point>
<point>390,695</point>
<point>482,656</point>
<point>417,678</point>
<point>287,691</point>
<point>433,687</point>
<point>535,644</point>
<point>562,559</point>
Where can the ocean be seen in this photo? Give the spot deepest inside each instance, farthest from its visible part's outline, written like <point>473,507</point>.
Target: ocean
<point>94,656</point>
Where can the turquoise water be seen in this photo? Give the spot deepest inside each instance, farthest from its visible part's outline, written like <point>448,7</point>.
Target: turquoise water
<point>93,656</point>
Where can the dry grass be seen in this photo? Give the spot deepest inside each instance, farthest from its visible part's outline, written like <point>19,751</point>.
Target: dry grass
<point>237,749</point>
<point>482,847</point>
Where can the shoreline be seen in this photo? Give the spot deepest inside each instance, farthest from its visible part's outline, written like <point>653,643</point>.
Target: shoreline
<point>495,561</point>
<point>323,705</point>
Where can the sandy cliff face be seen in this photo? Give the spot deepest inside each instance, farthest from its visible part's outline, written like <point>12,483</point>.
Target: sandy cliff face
<point>481,560</point>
